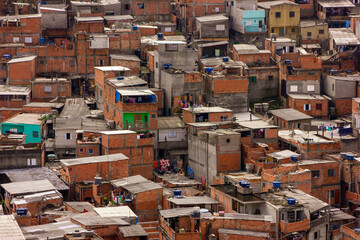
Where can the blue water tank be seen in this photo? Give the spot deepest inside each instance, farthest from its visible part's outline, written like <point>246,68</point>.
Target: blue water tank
<point>134,28</point>
<point>276,184</point>
<point>225,59</point>
<point>177,192</point>
<point>100,139</point>
<point>291,201</point>
<point>350,157</point>
<point>287,61</point>
<point>167,66</point>
<point>42,41</point>
<point>160,35</point>
<point>294,158</point>
<point>120,78</point>
<point>209,69</point>
<point>7,56</point>
<point>244,184</point>
<point>21,211</point>
<point>348,71</point>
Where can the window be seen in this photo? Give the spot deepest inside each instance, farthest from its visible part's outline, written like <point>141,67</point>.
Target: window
<point>234,205</point>
<point>172,134</point>
<point>292,14</point>
<point>35,134</point>
<point>220,27</point>
<point>81,150</point>
<point>232,3</point>
<point>315,174</point>
<point>101,93</point>
<point>157,64</point>
<point>101,62</point>
<point>316,235</point>
<point>293,30</point>
<point>16,39</point>
<point>333,87</point>
<point>31,161</point>
<point>153,115</point>
<point>127,6</point>
<point>136,38</point>
<point>331,172</point>
<point>47,89</point>
<point>309,34</point>
<point>318,106</point>
<point>293,88</point>
<point>42,62</point>
<point>310,88</point>
<point>307,107</point>
<point>91,151</point>
<point>252,79</point>
<point>228,140</point>
<point>28,39</point>
<point>61,89</point>
<point>223,118</point>
<point>270,77</point>
<point>216,197</point>
<point>68,136</point>
<point>141,5</point>
<point>321,31</point>
<point>291,49</point>
<point>272,30</point>
<point>216,9</point>
<point>72,63</point>
<point>332,193</point>
<point>278,14</point>
<point>70,46</point>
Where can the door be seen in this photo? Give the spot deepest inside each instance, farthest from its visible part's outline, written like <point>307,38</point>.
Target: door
<point>260,23</point>
<point>281,32</point>
<point>137,117</point>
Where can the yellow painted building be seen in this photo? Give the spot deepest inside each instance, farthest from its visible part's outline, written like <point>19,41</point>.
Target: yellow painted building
<point>314,31</point>
<point>282,18</point>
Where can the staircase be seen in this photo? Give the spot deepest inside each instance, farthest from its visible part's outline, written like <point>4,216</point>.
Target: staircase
<point>151,228</point>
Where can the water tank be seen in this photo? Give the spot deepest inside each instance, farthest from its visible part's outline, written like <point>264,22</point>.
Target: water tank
<point>7,56</point>
<point>291,201</point>
<point>209,69</point>
<point>221,213</point>
<point>265,107</point>
<point>244,184</point>
<point>120,78</point>
<point>287,61</point>
<point>276,184</point>
<point>134,28</point>
<point>343,155</point>
<point>257,107</point>
<point>100,139</point>
<point>22,211</point>
<point>333,71</point>
<point>76,234</point>
<point>89,233</point>
<point>196,212</point>
<point>177,192</point>
<point>160,36</point>
<point>167,66</point>
<point>225,59</point>
<point>348,71</point>
<point>97,180</point>
<point>294,158</point>
<point>350,156</point>
<point>42,41</point>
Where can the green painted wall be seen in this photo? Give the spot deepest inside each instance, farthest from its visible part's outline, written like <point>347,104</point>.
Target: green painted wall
<point>27,129</point>
<point>129,117</point>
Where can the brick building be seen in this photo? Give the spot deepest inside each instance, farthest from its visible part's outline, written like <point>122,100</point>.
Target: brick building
<point>12,100</point>
<point>138,148</point>
<point>46,89</point>
<point>79,173</point>
<point>21,71</point>
<point>129,61</point>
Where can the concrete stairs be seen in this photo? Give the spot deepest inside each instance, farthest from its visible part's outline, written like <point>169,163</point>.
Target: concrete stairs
<point>151,228</point>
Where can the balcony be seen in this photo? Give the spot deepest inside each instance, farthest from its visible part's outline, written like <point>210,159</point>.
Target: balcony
<point>136,126</point>
<point>352,197</point>
<point>295,226</point>
<point>249,29</point>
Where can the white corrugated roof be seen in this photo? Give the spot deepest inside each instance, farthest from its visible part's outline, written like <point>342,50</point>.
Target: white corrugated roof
<point>21,59</point>
<point>121,212</point>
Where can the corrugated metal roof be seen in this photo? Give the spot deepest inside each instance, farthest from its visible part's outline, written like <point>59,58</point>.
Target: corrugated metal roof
<point>170,123</point>
<point>135,92</point>
<point>335,3</point>
<point>25,118</point>
<point>121,212</point>
<point>125,57</point>
<point>290,114</point>
<point>89,19</point>
<point>97,159</point>
<point>268,4</point>
<point>75,107</point>
<point>118,17</point>
<point>208,110</point>
<point>21,59</point>
<point>112,68</point>
<point>14,90</point>
<point>136,184</point>
<point>210,18</point>
<point>51,230</point>
<point>28,187</point>
<point>177,212</point>
<point>132,231</point>
<point>193,200</point>
<point>9,228</point>
<point>34,174</point>
<point>344,36</point>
